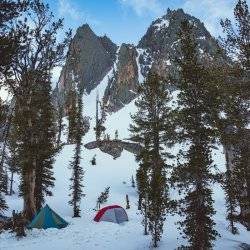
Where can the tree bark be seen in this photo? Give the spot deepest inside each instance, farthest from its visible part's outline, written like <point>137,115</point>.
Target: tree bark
<point>29,206</point>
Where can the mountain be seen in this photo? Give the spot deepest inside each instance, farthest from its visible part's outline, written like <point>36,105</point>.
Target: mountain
<point>90,58</point>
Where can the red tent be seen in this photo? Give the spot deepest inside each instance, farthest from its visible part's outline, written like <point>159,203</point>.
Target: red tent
<point>113,213</point>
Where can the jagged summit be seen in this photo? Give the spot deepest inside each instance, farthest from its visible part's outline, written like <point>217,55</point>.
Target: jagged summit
<point>159,46</point>
<point>91,57</point>
<point>84,29</point>
<point>163,32</point>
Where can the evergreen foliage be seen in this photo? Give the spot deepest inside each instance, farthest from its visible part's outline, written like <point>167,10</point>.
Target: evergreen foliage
<point>116,135</point>
<point>102,198</point>
<point>132,181</point>
<point>3,205</point>
<point>72,116</point>
<point>193,174</point>
<point>28,75</point>
<point>100,119</point>
<point>60,125</point>
<point>93,161</point>
<point>46,149</point>
<point>237,45</point>
<point>127,202</point>
<point>150,126</point>
<point>77,172</point>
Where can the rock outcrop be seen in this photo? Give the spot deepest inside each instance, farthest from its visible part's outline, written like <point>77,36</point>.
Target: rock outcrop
<point>159,46</point>
<point>114,147</point>
<point>91,57</point>
<point>230,159</point>
<point>122,87</point>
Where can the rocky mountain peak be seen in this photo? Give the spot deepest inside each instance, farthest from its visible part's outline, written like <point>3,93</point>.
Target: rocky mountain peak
<point>91,57</point>
<point>88,60</point>
<point>84,30</point>
<point>160,45</point>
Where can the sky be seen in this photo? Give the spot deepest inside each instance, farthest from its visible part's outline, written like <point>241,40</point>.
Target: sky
<point>127,20</point>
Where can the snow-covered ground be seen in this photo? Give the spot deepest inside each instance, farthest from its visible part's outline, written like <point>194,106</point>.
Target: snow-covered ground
<point>85,234</point>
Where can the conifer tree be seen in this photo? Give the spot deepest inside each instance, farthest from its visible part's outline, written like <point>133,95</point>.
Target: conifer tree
<point>193,174</point>
<point>150,124</point>
<point>100,119</point>
<point>3,205</point>
<point>72,116</point>
<point>132,182</point>
<point>77,172</point>
<point>12,161</point>
<point>237,45</point>
<point>93,161</point>
<point>60,125</point>
<point>231,200</point>
<point>32,63</point>
<point>142,179</point>
<point>46,149</point>
<point>10,43</point>
<point>116,135</point>
<point>102,198</point>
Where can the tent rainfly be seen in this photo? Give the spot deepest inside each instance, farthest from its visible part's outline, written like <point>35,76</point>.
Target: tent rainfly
<point>115,214</point>
<point>47,218</point>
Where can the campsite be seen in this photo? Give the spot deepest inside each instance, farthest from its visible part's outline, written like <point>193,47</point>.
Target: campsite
<point>124,124</point>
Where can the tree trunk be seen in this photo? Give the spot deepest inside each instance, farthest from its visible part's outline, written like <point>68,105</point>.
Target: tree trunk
<point>146,215</point>
<point>139,202</point>
<point>29,206</point>
<point>11,183</point>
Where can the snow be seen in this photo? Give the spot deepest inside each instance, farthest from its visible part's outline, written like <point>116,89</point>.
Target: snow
<point>5,94</point>
<point>140,76</point>
<point>222,115</point>
<point>202,38</point>
<point>168,62</point>
<point>84,233</point>
<point>201,51</point>
<point>162,23</point>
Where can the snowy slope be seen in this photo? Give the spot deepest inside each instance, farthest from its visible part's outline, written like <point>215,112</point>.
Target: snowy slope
<point>85,234</point>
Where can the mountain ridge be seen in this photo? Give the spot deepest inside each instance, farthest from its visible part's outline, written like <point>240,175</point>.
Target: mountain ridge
<point>90,58</point>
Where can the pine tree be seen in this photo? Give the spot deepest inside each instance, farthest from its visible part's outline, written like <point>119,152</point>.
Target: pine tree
<point>100,119</point>
<point>103,197</point>
<point>127,202</point>
<point>150,124</point>
<point>72,116</point>
<point>142,179</point>
<point>32,63</point>
<point>93,161</point>
<point>12,161</point>
<point>60,125</point>
<point>3,205</point>
<point>132,182</point>
<point>10,43</point>
<point>193,174</point>
<point>237,45</point>
<point>116,134</point>
<point>46,149</point>
<point>77,172</point>
<point>231,200</point>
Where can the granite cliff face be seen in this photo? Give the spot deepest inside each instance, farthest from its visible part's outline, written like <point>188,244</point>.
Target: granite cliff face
<point>90,58</point>
<point>122,86</point>
<point>160,45</point>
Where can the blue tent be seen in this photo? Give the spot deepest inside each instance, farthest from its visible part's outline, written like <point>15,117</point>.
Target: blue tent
<point>47,218</point>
